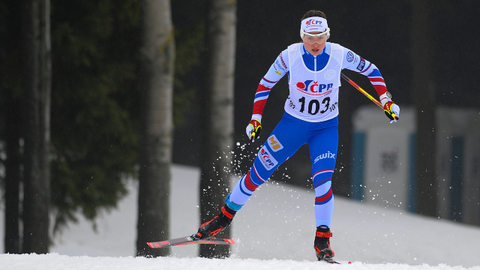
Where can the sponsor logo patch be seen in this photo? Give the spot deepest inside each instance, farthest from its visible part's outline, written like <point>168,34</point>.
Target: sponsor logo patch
<point>350,56</point>
<point>268,161</point>
<point>311,86</point>
<point>361,65</point>
<point>282,62</point>
<point>274,143</point>
<point>326,155</point>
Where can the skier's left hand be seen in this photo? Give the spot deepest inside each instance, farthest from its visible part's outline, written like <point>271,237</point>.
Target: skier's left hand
<point>392,111</point>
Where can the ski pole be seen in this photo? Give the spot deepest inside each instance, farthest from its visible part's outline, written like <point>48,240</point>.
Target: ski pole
<point>389,113</point>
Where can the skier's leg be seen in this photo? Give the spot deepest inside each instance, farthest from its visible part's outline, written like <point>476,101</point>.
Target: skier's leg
<point>280,145</point>
<point>283,142</point>
<point>323,151</point>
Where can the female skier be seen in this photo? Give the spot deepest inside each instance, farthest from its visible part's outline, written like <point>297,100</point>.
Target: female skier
<point>311,117</point>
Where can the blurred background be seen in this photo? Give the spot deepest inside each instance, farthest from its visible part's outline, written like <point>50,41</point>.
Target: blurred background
<point>426,52</point>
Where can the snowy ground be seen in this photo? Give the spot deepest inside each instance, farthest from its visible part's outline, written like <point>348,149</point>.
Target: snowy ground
<point>274,230</point>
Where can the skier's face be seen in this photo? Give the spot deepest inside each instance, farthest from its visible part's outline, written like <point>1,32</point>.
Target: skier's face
<point>314,44</point>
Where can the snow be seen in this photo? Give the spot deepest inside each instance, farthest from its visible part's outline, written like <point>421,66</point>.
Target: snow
<point>275,230</point>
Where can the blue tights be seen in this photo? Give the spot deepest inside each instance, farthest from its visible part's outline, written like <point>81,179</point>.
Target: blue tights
<point>287,137</point>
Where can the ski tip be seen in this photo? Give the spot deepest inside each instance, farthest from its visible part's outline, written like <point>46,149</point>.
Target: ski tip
<point>230,241</point>
<point>157,244</point>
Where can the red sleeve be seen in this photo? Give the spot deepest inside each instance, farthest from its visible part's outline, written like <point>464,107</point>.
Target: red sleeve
<point>260,100</point>
<point>379,84</point>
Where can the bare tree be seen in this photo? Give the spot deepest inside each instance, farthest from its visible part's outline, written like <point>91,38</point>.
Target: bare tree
<point>10,44</point>
<point>424,95</point>
<point>218,128</point>
<point>37,87</point>
<point>157,70</point>
<point>12,176</point>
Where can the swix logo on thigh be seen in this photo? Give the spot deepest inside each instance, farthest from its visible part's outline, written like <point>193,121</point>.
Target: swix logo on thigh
<point>268,161</point>
<point>311,86</point>
<point>326,155</point>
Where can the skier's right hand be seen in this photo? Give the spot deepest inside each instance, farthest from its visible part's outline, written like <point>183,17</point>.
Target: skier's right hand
<point>253,130</point>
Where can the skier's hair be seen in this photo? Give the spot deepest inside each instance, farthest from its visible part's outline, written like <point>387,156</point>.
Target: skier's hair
<point>313,13</point>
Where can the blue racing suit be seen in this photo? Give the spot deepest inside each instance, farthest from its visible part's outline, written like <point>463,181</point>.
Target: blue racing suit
<point>311,117</point>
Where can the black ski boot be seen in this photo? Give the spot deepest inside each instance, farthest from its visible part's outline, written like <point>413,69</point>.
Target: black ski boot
<point>213,227</point>
<point>322,244</point>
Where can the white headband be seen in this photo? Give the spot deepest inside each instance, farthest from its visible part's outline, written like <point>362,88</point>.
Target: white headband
<point>314,24</point>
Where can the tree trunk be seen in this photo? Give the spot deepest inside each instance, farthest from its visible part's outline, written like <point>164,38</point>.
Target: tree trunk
<point>37,87</point>
<point>424,94</point>
<point>217,133</point>
<point>157,70</point>
<point>10,41</point>
<point>12,177</point>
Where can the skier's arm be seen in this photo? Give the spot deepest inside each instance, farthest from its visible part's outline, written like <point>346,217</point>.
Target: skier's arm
<point>354,62</point>
<point>276,71</point>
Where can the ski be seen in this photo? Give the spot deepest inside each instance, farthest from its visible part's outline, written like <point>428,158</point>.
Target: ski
<point>329,260</point>
<point>190,240</point>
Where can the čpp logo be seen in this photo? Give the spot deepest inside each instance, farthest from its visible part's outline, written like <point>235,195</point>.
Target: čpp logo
<point>266,156</point>
<point>311,86</point>
<point>313,22</point>
<point>268,161</point>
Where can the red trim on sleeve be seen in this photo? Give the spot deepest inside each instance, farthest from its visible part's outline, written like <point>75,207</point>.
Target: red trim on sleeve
<point>379,85</point>
<point>260,99</point>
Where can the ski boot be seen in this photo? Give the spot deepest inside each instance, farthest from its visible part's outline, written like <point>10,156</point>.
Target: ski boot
<point>213,227</point>
<point>322,244</point>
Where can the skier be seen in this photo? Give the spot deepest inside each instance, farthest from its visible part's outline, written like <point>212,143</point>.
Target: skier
<point>311,117</point>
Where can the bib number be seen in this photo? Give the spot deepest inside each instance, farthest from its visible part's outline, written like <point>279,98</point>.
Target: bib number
<point>314,105</point>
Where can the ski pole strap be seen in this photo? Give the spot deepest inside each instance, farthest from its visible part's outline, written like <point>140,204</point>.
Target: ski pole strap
<point>391,115</point>
<point>324,234</point>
